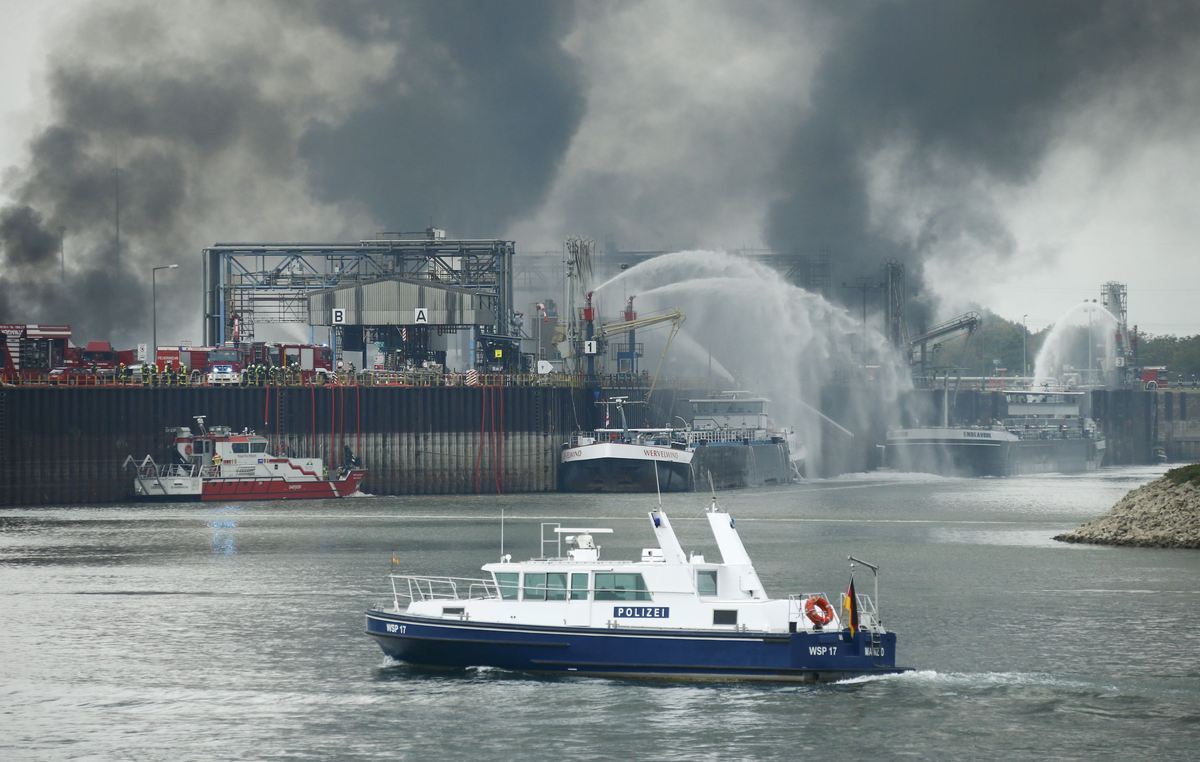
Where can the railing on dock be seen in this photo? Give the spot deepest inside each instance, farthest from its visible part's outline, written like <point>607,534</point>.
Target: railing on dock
<point>291,377</point>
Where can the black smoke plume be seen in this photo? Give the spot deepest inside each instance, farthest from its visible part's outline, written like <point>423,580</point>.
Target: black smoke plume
<point>267,121</point>
<point>972,89</point>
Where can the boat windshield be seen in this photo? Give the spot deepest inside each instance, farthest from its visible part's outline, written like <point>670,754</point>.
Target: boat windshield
<point>621,587</point>
<point>509,585</point>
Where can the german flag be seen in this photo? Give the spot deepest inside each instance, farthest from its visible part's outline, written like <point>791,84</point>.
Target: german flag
<point>850,604</point>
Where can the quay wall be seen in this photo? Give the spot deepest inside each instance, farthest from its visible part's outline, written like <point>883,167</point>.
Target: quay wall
<point>67,444</point>
<point>1177,429</point>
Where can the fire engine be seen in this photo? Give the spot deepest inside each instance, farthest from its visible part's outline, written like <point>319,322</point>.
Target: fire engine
<point>313,360</point>
<point>224,365</point>
<point>1154,377</point>
<point>87,365</point>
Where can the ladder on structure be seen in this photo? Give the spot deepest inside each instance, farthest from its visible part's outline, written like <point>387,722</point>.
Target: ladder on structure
<point>4,429</point>
<point>3,425</point>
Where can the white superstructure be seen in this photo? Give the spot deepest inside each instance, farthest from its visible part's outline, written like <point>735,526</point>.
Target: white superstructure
<point>666,588</point>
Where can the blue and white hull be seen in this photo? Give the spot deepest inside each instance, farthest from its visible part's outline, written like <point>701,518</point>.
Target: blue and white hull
<point>634,652</point>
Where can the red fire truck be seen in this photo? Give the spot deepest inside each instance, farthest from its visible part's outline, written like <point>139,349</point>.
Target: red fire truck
<point>1154,377</point>
<point>224,365</point>
<point>313,360</point>
<point>90,364</point>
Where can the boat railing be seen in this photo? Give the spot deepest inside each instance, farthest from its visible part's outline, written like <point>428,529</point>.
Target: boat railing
<point>868,614</point>
<point>419,588</point>
<point>153,470</point>
<point>722,436</point>
<point>646,437</point>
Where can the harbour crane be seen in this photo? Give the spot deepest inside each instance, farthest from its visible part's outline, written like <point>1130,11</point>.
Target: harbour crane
<point>632,323</point>
<point>968,322</point>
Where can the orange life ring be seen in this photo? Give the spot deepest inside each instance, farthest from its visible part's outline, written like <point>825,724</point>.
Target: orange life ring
<point>818,610</point>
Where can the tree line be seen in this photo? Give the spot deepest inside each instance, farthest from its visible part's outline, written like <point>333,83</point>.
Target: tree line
<point>1001,347</point>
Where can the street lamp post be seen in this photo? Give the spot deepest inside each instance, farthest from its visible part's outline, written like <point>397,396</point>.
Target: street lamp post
<point>1089,368</point>
<point>154,308</point>
<point>1024,338</point>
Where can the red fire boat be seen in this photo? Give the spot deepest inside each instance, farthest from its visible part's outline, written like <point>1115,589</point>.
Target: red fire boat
<point>220,464</point>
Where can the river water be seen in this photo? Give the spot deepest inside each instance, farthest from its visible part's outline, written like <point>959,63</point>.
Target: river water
<point>222,632</point>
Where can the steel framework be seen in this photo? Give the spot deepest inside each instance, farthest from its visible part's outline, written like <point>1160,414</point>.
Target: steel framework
<point>893,278</point>
<point>269,283</point>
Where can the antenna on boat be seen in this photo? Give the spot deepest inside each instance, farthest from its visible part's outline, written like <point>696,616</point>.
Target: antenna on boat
<point>875,570</point>
<point>200,422</point>
<point>657,486</point>
<point>501,534</point>
<point>713,490</point>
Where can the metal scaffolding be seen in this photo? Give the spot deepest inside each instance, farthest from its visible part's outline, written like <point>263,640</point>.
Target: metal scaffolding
<point>893,278</point>
<point>248,284</point>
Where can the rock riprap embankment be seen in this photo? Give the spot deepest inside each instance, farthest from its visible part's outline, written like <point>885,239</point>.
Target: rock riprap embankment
<point>1162,514</point>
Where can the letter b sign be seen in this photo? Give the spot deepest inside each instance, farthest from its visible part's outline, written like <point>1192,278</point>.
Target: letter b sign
<point>339,316</point>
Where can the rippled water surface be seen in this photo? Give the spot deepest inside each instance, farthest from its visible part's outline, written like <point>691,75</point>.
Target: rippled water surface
<point>217,632</point>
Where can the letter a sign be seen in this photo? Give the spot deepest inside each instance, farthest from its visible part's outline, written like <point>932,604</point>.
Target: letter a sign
<point>339,316</point>
<point>421,316</point>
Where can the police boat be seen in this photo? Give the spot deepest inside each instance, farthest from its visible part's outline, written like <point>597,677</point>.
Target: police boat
<point>669,615</point>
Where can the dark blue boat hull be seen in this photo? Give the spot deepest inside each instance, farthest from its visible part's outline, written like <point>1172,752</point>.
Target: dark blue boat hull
<point>627,652</point>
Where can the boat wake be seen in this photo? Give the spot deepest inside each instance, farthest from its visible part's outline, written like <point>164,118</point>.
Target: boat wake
<point>970,679</point>
<point>884,475</point>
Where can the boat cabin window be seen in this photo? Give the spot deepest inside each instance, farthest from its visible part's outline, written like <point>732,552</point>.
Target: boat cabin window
<point>620,587</point>
<point>556,586</point>
<point>706,582</point>
<point>241,448</point>
<point>201,446</point>
<point>258,447</point>
<point>535,587</point>
<point>509,584</point>
<point>725,617</point>
<point>579,586</point>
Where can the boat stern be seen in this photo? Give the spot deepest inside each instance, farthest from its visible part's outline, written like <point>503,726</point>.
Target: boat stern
<point>349,483</point>
<point>839,654</point>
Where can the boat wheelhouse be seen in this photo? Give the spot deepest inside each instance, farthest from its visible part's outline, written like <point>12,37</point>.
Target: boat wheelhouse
<point>1043,431</point>
<point>221,464</point>
<point>1054,431</point>
<point>735,443</point>
<point>626,460</point>
<point>668,614</point>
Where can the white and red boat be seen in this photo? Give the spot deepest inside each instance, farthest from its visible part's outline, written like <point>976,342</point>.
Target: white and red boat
<point>220,464</point>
